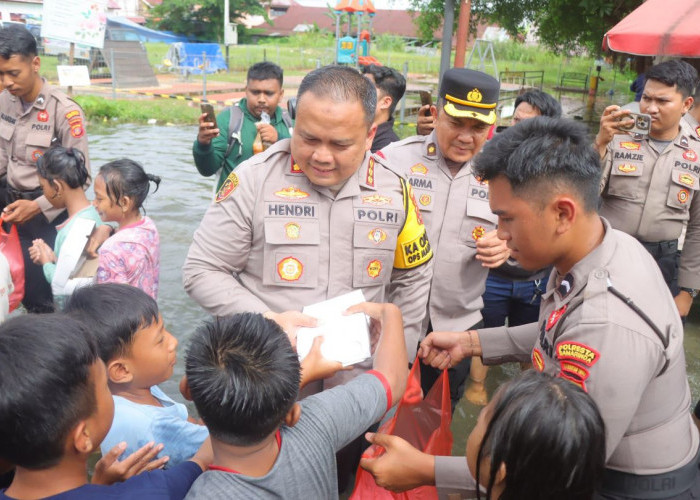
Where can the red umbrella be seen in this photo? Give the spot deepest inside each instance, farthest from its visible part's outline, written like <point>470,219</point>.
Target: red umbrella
<point>658,27</point>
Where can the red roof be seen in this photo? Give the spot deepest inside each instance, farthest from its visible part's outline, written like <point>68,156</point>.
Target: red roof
<point>396,22</point>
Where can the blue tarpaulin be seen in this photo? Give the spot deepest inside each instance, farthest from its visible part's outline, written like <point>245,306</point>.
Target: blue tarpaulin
<point>121,28</point>
<point>190,57</point>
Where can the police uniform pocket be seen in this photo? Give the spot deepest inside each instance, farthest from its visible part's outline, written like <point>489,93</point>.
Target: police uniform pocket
<point>479,221</point>
<point>624,180</point>
<point>6,128</point>
<point>371,267</point>
<point>291,253</point>
<point>38,140</point>
<point>683,185</point>
<point>374,236</point>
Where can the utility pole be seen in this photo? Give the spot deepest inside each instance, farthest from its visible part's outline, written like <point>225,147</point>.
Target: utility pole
<point>227,14</point>
<point>462,32</point>
<point>447,37</point>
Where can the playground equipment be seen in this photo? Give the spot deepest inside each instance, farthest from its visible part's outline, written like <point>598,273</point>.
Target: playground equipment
<point>350,49</point>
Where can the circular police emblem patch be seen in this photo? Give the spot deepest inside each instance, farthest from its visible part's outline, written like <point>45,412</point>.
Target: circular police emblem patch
<point>683,196</point>
<point>478,232</point>
<point>289,269</point>
<point>374,269</point>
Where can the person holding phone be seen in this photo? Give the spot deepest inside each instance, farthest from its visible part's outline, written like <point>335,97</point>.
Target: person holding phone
<point>222,145</point>
<point>650,182</point>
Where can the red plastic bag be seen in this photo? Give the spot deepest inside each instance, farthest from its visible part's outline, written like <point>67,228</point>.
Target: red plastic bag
<point>425,423</point>
<point>12,250</point>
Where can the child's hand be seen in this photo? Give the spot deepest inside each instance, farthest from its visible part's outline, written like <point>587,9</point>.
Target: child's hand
<point>98,236</point>
<point>108,470</point>
<point>41,253</point>
<point>377,313</point>
<point>316,367</point>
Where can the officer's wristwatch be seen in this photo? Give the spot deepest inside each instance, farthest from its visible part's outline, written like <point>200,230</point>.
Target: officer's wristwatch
<point>692,291</point>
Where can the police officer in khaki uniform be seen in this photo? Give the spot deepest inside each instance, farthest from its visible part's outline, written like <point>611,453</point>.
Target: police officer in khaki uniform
<point>607,323</point>
<point>454,204</point>
<point>650,182</point>
<point>312,218</point>
<point>33,116</point>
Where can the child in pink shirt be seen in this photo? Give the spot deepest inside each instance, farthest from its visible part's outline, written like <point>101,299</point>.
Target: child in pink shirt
<point>132,255</point>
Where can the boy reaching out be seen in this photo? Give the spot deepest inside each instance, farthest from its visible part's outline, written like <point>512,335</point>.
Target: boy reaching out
<point>55,410</point>
<point>243,376</point>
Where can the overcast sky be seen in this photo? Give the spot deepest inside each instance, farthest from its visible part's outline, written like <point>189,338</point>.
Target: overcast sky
<point>379,4</point>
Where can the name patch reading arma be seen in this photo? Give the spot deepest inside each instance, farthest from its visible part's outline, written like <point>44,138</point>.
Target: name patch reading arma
<point>291,210</point>
<point>420,183</point>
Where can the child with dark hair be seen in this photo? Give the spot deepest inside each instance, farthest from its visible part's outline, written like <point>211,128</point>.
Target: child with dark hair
<point>132,255</point>
<point>139,354</point>
<point>540,437</point>
<point>55,410</point>
<point>62,176</point>
<point>243,376</point>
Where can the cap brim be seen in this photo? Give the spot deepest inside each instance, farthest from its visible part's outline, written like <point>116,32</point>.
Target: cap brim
<point>469,112</point>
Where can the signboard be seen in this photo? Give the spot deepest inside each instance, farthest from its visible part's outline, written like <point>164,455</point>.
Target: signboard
<point>77,21</point>
<point>73,75</point>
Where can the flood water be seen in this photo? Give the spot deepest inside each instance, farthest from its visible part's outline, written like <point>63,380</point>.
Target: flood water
<point>179,205</point>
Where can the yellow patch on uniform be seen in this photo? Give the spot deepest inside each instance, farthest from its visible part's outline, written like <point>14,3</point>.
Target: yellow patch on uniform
<point>478,233</point>
<point>697,131</point>
<point>419,168</point>
<point>577,352</point>
<point>631,146</point>
<point>376,236</point>
<point>296,169</point>
<point>374,269</point>
<point>36,154</point>
<point>683,195</point>
<point>292,230</point>
<point>292,192</point>
<point>72,114</point>
<point>290,269</point>
<point>537,360</point>
<point>627,168</point>
<point>376,199</point>
<point>686,179</point>
<point>369,180</point>
<point>431,149</point>
<point>690,155</point>
<point>424,200</point>
<point>574,370</point>
<point>412,246</point>
<point>228,187</point>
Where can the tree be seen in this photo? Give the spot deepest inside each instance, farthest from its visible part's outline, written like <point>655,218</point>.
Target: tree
<point>561,24</point>
<point>200,19</point>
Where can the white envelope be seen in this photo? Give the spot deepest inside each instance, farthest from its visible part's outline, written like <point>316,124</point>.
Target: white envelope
<point>345,338</point>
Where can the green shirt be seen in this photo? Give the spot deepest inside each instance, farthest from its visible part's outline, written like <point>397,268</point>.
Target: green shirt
<point>63,231</point>
<point>208,158</point>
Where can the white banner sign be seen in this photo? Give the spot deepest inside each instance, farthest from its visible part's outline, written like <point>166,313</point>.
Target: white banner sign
<point>78,21</point>
<point>73,76</point>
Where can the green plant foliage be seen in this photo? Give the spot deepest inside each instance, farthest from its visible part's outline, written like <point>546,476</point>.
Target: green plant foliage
<point>200,19</point>
<point>98,109</point>
<point>562,25</point>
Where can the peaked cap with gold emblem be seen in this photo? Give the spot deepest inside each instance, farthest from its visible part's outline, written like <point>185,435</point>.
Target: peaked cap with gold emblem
<point>470,94</point>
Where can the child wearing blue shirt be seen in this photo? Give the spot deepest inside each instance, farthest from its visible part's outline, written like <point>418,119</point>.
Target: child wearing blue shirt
<point>56,409</point>
<point>139,354</point>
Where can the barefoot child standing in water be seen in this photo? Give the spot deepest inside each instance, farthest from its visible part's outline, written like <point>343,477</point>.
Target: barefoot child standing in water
<point>132,255</point>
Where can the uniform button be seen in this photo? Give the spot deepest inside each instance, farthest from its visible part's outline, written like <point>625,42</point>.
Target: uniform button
<point>600,273</point>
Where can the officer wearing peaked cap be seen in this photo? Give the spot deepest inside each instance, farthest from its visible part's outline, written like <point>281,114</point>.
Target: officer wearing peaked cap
<point>454,204</point>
